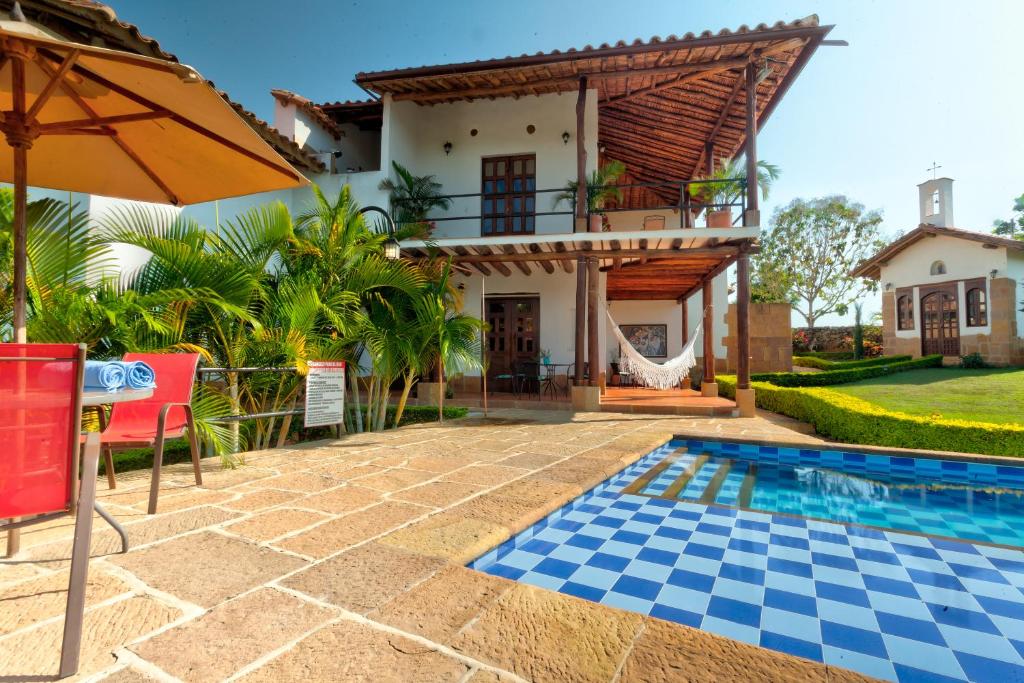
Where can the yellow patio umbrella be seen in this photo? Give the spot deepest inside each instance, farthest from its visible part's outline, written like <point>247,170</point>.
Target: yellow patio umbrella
<point>88,119</point>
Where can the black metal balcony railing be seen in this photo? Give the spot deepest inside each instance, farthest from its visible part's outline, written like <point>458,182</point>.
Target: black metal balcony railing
<point>522,213</point>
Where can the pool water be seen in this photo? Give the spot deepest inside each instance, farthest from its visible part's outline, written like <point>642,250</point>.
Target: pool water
<point>972,501</point>
<point>820,554</point>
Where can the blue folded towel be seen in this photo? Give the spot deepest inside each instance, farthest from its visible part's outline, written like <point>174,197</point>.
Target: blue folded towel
<point>104,376</point>
<point>139,375</point>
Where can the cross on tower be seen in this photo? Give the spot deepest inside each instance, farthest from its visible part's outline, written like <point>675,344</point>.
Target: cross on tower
<point>933,168</point>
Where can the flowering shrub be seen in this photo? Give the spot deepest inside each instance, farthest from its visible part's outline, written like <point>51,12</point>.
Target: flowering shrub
<point>801,342</point>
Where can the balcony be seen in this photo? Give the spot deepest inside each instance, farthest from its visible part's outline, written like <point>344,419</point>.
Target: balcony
<point>664,205</point>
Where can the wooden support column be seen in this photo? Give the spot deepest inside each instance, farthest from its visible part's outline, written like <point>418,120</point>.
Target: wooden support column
<point>581,319</point>
<point>753,214</point>
<point>683,309</point>
<point>708,386</point>
<point>593,321</point>
<point>744,394</point>
<point>581,158</point>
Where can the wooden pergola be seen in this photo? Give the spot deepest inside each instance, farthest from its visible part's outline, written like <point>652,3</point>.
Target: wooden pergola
<point>670,109</point>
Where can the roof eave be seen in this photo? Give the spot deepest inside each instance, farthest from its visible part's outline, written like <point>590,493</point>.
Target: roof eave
<point>368,79</point>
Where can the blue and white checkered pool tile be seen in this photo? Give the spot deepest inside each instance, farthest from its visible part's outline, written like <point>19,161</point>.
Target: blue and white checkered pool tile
<point>887,604</point>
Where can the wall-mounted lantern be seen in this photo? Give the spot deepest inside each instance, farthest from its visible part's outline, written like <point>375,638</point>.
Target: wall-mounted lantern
<point>993,273</point>
<point>565,138</point>
<point>447,148</point>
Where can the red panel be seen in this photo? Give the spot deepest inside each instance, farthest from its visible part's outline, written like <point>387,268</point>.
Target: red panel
<point>36,418</point>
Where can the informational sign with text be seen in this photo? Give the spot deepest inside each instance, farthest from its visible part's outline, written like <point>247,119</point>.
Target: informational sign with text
<point>325,393</point>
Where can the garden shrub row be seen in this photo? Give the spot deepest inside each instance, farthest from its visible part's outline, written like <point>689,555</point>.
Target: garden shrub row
<point>824,364</point>
<point>826,355</point>
<point>843,376</point>
<point>853,420</point>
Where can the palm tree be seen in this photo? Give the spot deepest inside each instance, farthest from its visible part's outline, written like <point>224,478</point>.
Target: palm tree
<point>413,197</point>
<point>453,338</point>
<point>601,187</point>
<point>334,244</point>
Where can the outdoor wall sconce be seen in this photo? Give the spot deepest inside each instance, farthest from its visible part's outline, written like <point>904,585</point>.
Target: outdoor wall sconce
<point>565,138</point>
<point>993,273</point>
<point>385,224</point>
<point>447,148</point>
<point>888,286</point>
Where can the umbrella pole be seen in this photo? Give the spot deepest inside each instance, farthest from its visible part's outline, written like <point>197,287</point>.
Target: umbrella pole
<point>20,145</point>
<point>20,241</point>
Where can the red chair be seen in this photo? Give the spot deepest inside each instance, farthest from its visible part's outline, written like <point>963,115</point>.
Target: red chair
<point>166,414</point>
<point>40,422</point>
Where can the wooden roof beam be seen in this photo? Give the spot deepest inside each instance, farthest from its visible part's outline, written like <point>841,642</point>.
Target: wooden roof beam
<point>510,250</point>
<point>710,141</point>
<point>693,71</point>
<point>486,251</point>
<point>546,265</point>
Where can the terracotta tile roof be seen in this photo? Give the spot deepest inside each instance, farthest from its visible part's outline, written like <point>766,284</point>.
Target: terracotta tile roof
<point>589,51</point>
<point>311,109</point>
<point>664,104</point>
<point>871,268</point>
<point>89,21</point>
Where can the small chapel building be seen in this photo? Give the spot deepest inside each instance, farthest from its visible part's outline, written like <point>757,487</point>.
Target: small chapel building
<point>950,291</point>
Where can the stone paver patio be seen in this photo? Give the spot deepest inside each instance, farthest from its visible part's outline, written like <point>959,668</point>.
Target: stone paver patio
<point>342,560</point>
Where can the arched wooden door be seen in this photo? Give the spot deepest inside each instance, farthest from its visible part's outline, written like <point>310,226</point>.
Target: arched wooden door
<point>940,324</point>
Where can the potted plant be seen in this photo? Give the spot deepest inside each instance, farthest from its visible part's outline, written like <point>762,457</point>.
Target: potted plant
<point>724,186</point>
<point>601,189</point>
<point>413,197</point>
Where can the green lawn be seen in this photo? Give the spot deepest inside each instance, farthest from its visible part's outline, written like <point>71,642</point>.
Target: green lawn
<point>994,395</point>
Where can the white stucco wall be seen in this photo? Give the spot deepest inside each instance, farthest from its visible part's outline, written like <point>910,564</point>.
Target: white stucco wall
<point>416,136</point>
<point>1015,271</point>
<point>360,149</point>
<point>964,259</point>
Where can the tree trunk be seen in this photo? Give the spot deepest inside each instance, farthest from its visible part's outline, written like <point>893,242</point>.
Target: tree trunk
<point>440,389</point>
<point>235,410</point>
<point>357,418</point>
<point>406,390</point>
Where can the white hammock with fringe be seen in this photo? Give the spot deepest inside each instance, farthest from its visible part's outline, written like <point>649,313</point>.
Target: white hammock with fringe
<point>657,375</point>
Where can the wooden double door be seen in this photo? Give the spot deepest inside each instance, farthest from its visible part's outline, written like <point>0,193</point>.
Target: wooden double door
<point>940,323</point>
<point>513,335</point>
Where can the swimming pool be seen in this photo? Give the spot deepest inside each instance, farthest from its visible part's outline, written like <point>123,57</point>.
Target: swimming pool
<point>893,566</point>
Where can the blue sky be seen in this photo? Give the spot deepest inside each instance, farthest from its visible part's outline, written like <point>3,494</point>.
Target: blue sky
<point>920,81</point>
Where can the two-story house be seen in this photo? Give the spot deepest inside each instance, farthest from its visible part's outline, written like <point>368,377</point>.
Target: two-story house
<point>505,137</point>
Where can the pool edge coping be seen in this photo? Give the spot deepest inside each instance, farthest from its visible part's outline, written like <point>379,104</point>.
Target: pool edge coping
<point>980,458</point>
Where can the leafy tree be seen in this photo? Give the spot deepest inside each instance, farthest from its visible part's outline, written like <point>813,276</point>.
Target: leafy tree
<point>807,254</point>
<point>412,196</point>
<point>1014,226</point>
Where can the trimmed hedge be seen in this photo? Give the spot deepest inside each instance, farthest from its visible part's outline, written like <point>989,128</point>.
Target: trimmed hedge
<point>853,420</point>
<point>823,364</point>
<point>826,355</point>
<point>829,377</point>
